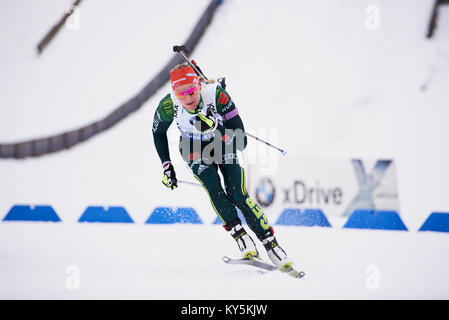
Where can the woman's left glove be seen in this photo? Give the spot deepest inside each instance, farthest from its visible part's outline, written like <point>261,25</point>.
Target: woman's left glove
<point>205,122</point>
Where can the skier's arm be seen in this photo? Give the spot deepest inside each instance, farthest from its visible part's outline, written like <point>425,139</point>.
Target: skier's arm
<point>163,117</point>
<point>234,123</point>
<point>229,112</point>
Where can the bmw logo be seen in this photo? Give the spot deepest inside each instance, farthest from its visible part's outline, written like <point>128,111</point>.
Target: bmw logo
<point>265,192</point>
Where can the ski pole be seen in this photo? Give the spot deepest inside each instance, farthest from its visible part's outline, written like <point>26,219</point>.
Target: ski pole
<point>178,50</point>
<point>191,183</point>
<point>267,143</point>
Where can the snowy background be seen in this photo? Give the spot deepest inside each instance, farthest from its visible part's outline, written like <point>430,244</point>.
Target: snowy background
<point>318,74</point>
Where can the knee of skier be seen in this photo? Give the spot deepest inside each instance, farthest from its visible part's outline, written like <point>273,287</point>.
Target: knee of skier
<point>237,195</point>
<point>215,192</point>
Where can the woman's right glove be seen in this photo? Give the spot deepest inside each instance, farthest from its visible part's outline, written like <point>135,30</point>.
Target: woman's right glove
<point>169,179</point>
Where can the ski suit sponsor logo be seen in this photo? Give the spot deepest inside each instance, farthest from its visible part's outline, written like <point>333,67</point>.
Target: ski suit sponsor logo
<point>197,136</point>
<point>175,111</point>
<point>201,168</point>
<point>258,212</point>
<point>224,98</point>
<point>194,156</point>
<point>228,157</point>
<point>226,138</point>
<point>156,121</point>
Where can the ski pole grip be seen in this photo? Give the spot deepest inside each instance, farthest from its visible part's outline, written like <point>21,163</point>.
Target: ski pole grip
<point>179,48</point>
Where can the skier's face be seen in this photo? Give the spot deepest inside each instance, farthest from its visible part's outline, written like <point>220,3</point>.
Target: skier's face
<point>189,100</point>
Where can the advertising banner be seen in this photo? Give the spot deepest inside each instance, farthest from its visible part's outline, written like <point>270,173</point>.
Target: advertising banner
<point>360,193</point>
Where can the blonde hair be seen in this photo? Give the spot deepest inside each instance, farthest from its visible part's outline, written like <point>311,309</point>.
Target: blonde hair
<point>200,78</point>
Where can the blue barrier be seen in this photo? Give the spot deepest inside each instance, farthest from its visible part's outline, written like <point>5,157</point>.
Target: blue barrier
<point>307,218</point>
<point>110,215</point>
<point>359,219</point>
<point>437,221</point>
<point>372,219</point>
<point>27,213</point>
<point>168,215</point>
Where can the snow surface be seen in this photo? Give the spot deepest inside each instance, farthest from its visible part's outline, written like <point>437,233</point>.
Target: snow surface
<point>311,70</point>
<point>185,262</point>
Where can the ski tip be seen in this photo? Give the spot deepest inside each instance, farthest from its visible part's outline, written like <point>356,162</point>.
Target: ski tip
<point>297,274</point>
<point>288,269</point>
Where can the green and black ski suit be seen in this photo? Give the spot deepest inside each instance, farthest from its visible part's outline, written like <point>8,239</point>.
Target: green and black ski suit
<point>211,146</point>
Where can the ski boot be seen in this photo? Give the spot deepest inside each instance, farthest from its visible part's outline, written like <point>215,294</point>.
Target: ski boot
<point>279,258</point>
<point>245,242</point>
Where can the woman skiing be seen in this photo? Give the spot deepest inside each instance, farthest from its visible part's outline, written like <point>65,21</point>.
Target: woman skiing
<point>211,133</point>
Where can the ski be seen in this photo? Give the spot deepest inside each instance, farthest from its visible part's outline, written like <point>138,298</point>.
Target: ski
<point>259,263</point>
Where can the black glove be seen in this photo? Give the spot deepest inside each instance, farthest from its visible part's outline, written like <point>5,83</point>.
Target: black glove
<point>169,179</point>
<point>205,122</point>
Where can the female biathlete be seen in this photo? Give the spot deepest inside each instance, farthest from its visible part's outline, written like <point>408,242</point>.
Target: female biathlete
<point>211,133</point>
